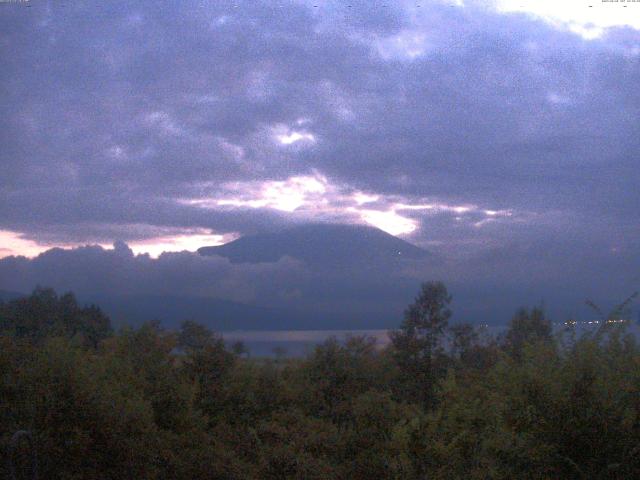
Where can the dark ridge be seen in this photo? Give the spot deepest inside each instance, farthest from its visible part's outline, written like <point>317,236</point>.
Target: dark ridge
<point>7,296</point>
<point>224,315</point>
<point>319,244</point>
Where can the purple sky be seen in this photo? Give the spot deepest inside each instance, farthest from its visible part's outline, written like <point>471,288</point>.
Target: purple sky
<point>502,139</point>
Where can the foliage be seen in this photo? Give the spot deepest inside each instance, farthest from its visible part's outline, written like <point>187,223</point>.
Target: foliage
<point>418,348</point>
<point>44,314</point>
<point>527,327</point>
<point>441,402</point>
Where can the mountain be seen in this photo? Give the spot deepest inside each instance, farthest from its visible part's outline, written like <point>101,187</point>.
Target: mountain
<point>223,315</point>
<point>320,245</point>
<point>171,310</point>
<point>7,296</point>
<point>354,278</point>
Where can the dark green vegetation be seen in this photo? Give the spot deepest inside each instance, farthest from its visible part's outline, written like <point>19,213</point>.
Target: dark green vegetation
<point>441,401</point>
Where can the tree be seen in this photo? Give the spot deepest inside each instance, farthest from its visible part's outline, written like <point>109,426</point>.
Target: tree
<point>93,325</point>
<point>194,336</point>
<point>338,372</point>
<point>463,339</point>
<point>527,327</point>
<point>43,314</point>
<point>239,348</point>
<point>418,343</point>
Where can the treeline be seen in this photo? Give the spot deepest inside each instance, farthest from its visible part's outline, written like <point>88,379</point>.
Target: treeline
<point>442,401</point>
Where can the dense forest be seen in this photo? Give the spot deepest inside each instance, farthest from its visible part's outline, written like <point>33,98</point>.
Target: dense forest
<point>442,400</point>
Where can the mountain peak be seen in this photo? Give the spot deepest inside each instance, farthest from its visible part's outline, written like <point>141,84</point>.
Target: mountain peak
<point>319,245</point>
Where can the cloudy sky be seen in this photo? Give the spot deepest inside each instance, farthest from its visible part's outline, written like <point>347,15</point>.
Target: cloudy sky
<point>501,135</point>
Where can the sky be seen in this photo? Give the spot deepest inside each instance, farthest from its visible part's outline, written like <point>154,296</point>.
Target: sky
<point>500,135</point>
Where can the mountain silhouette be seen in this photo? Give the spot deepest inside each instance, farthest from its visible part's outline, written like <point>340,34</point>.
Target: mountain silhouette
<point>354,279</point>
<point>7,296</point>
<point>224,315</point>
<point>320,245</point>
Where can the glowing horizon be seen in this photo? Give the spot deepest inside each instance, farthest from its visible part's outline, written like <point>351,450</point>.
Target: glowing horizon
<point>13,244</point>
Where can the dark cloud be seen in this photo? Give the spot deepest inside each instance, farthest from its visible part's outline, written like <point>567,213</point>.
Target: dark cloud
<point>117,271</point>
<point>115,113</point>
<point>488,284</point>
<point>287,285</point>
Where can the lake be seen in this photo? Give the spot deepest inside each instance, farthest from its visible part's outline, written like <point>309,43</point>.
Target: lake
<point>297,343</point>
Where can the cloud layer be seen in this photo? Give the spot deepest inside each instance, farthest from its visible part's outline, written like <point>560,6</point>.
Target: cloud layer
<point>118,271</point>
<point>471,129</point>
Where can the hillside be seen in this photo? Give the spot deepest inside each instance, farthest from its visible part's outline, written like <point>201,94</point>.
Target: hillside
<point>320,245</point>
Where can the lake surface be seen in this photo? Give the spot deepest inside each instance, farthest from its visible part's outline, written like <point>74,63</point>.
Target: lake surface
<point>298,343</point>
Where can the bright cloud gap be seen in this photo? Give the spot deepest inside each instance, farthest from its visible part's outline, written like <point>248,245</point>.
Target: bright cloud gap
<point>287,136</point>
<point>313,197</point>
